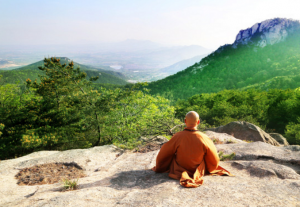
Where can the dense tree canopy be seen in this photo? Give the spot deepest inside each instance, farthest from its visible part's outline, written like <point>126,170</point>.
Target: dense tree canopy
<point>63,111</point>
<point>274,110</point>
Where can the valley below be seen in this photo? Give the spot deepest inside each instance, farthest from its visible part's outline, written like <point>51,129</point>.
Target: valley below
<point>139,61</point>
<point>8,65</point>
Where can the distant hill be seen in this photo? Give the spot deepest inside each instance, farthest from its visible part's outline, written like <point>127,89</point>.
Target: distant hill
<point>181,65</point>
<point>138,60</point>
<point>145,65</point>
<point>31,71</point>
<point>171,55</point>
<point>265,56</point>
<point>129,45</point>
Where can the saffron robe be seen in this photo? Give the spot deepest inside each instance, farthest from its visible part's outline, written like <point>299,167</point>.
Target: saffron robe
<point>187,156</point>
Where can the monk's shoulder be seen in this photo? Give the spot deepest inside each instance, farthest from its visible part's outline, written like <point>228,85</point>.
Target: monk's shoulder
<point>203,135</point>
<point>205,139</point>
<point>188,133</point>
<point>184,134</point>
<point>178,135</point>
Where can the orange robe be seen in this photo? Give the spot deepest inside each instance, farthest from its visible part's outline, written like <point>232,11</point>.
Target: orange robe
<point>187,157</point>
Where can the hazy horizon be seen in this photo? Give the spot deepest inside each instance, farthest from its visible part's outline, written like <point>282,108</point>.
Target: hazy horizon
<point>209,24</point>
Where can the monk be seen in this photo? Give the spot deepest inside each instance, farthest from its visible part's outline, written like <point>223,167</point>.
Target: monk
<point>189,155</point>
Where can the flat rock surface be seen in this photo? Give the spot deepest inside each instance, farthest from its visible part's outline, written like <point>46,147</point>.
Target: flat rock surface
<point>259,151</point>
<point>264,176</point>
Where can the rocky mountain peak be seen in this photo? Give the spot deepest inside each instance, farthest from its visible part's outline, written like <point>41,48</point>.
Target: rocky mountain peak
<point>269,32</point>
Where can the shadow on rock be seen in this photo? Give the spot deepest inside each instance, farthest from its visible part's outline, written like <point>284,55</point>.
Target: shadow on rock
<point>131,179</point>
<point>267,169</point>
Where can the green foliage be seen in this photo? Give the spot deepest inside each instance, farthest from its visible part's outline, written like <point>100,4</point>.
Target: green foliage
<point>55,114</point>
<point>69,184</point>
<point>1,128</point>
<point>226,157</point>
<point>245,67</point>
<point>126,115</point>
<point>99,86</point>
<point>12,118</point>
<point>275,110</point>
<point>46,116</point>
<point>139,115</point>
<point>293,133</point>
<point>226,106</point>
<point>63,111</point>
<point>230,141</point>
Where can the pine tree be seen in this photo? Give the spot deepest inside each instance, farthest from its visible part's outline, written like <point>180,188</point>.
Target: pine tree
<point>58,110</point>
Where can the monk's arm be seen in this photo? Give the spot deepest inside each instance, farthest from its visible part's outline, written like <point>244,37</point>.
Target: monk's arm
<point>165,156</point>
<point>211,157</point>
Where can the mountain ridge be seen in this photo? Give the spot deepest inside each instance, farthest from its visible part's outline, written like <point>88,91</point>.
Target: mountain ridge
<point>31,71</point>
<point>181,65</point>
<point>242,64</point>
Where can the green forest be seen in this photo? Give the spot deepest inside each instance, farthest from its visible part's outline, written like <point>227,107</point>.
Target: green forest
<point>59,106</point>
<point>64,111</point>
<point>275,110</point>
<point>245,67</point>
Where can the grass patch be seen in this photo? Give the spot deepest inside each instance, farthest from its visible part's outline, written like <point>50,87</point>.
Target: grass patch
<point>69,184</point>
<point>217,141</point>
<point>230,141</point>
<point>224,157</point>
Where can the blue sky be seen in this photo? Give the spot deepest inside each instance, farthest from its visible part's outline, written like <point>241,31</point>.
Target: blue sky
<point>209,23</point>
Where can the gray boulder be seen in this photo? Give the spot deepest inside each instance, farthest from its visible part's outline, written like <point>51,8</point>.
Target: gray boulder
<point>279,138</point>
<point>222,138</point>
<point>246,131</point>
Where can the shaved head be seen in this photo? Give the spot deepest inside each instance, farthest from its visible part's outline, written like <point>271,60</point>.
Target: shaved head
<point>192,119</point>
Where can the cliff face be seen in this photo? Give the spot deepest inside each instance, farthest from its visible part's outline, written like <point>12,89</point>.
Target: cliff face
<point>268,32</point>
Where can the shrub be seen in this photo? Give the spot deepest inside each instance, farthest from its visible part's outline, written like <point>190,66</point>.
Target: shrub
<point>226,157</point>
<point>69,184</point>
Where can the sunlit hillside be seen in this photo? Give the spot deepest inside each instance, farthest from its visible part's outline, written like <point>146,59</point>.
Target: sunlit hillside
<point>241,66</point>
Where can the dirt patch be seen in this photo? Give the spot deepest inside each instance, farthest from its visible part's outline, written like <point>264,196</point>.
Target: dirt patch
<point>49,173</point>
<point>149,147</point>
